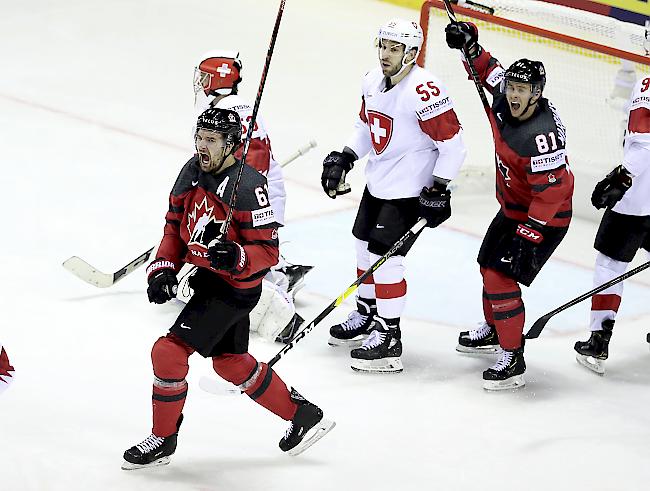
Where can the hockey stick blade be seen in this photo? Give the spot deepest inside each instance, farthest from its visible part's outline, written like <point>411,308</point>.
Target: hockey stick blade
<point>91,275</point>
<point>540,323</point>
<point>218,388</point>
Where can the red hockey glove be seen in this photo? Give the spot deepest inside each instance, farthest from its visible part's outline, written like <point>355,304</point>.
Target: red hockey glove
<point>228,256</point>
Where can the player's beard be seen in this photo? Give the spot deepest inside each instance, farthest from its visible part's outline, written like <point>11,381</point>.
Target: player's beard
<point>210,163</point>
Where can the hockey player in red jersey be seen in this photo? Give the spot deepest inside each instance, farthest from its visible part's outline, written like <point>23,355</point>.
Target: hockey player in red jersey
<point>624,228</point>
<point>408,127</point>
<point>227,285</point>
<point>534,187</point>
<point>216,82</point>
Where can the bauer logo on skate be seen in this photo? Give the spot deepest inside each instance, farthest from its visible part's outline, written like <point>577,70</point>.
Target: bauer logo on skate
<point>548,162</point>
<point>381,130</point>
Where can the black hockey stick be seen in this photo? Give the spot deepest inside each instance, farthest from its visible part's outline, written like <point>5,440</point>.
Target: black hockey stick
<point>472,69</point>
<point>84,271</point>
<point>211,385</point>
<point>251,124</point>
<point>539,324</point>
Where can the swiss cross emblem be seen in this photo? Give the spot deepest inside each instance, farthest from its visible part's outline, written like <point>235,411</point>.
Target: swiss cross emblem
<point>381,130</point>
<point>224,70</point>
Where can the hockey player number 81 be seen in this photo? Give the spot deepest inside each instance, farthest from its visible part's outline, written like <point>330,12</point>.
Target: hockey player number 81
<point>542,142</point>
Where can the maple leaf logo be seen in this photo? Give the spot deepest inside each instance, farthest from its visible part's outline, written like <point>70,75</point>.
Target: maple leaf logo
<point>198,223</point>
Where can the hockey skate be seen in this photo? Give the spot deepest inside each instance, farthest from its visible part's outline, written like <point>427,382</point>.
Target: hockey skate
<point>483,340</point>
<point>152,451</point>
<point>290,331</point>
<point>381,352</point>
<point>507,372</point>
<point>593,352</point>
<point>355,330</point>
<point>306,428</point>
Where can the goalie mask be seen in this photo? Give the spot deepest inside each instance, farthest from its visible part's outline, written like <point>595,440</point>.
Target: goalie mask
<point>404,32</point>
<point>218,73</point>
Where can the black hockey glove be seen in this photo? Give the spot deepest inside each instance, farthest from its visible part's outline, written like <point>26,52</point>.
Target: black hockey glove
<point>228,256</point>
<point>163,284</point>
<point>463,35</point>
<point>610,190</point>
<point>435,204</point>
<point>335,166</point>
<point>522,255</point>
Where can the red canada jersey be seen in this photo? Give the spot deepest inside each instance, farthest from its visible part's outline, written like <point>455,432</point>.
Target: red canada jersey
<point>198,206</point>
<point>533,178</point>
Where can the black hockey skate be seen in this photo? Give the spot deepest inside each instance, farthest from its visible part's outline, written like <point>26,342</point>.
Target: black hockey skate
<point>295,273</point>
<point>306,428</point>
<point>479,341</point>
<point>152,451</point>
<point>381,352</point>
<point>353,331</point>
<point>290,331</point>
<point>593,352</point>
<point>507,372</point>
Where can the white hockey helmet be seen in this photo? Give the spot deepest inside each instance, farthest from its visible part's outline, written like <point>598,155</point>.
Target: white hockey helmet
<point>218,72</point>
<point>406,32</point>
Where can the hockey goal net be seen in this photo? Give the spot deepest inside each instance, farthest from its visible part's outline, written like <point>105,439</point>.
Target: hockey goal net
<point>591,62</point>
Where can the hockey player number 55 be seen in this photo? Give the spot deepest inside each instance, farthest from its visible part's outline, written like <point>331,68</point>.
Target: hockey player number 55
<point>426,94</point>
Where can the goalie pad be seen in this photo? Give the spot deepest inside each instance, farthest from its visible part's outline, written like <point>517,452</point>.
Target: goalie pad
<point>273,312</point>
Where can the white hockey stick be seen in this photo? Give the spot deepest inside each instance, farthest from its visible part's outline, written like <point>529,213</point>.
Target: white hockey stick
<point>91,275</point>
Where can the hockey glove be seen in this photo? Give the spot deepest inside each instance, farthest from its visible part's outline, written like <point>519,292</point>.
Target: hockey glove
<point>435,204</point>
<point>610,190</point>
<point>461,35</point>
<point>163,284</point>
<point>228,256</point>
<point>335,166</point>
<point>522,255</point>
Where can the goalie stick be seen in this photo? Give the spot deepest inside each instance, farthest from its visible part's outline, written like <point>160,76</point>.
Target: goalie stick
<point>213,386</point>
<point>93,276</point>
<point>539,324</point>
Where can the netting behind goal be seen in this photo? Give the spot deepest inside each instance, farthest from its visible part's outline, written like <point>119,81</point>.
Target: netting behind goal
<point>589,83</point>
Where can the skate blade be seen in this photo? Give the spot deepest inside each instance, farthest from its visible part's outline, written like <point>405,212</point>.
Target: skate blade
<point>128,466</point>
<point>486,350</point>
<point>383,365</point>
<point>511,383</point>
<point>322,428</point>
<point>348,343</point>
<point>593,364</point>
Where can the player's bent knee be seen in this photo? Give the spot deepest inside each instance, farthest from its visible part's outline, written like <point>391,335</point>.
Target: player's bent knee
<point>494,280</point>
<point>236,368</point>
<point>169,358</point>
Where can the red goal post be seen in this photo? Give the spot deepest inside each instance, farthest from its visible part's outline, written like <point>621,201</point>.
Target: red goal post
<point>588,82</point>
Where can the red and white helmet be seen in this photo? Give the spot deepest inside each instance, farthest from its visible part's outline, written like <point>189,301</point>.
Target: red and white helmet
<point>406,32</point>
<point>218,72</point>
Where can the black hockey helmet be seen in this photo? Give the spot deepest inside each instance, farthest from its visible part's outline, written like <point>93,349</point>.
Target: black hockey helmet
<point>222,121</point>
<point>528,72</point>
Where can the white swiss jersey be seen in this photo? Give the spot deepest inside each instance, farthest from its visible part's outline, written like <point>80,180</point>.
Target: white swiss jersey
<point>410,131</point>
<point>260,155</point>
<point>636,153</point>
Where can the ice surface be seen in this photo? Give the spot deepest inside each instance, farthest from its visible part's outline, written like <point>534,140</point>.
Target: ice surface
<point>95,111</point>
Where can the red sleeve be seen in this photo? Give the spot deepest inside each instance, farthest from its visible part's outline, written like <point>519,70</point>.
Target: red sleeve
<point>484,64</point>
<point>362,112</point>
<point>172,246</point>
<point>261,244</point>
<point>258,156</point>
<point>639,121</point>
<point>550,191</point>
<point>442,127</point>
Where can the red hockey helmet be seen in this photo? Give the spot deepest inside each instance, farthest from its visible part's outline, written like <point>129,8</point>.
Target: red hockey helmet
<point>218,72</point>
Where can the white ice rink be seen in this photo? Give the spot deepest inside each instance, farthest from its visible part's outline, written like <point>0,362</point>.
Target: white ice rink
<point>95,116</point>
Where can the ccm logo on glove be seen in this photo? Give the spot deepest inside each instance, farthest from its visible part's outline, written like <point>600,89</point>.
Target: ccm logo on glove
<point>529,233</point>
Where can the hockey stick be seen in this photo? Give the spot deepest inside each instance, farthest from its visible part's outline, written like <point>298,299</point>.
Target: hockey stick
<point>251,124</point>
<point>468,59</point>
<point>210,385</point>
<point>475,6</point>
<point>84,271</point>
<point>88,273</point>
<point>539,324</point>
